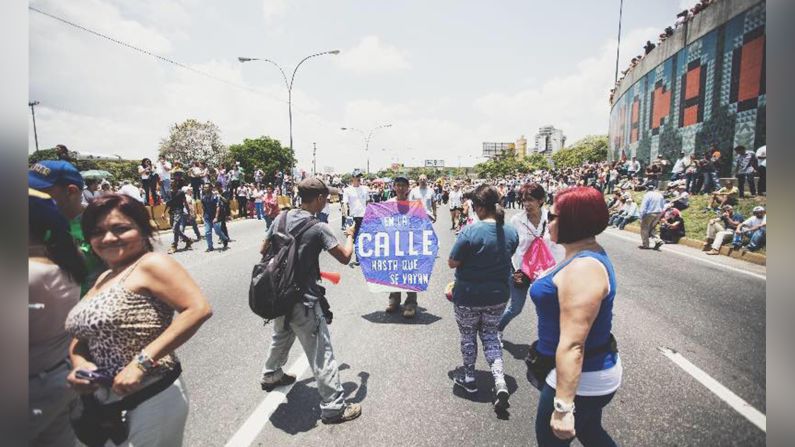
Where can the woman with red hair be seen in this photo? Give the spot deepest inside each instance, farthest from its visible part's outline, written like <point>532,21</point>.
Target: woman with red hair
<point>575,359</point>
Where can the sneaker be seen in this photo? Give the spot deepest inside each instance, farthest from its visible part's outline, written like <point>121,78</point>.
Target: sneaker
<point>643,247</point>
<point>469,386</point>
<point>188,244</point>
<point>225,243</point>
<point>286,379</point>
<point>658,244</point>
<point>172,250</point>
<point>713,252</point>
<point>209,250</point>
<point>409,310</point>
<point>351,412</point>
<point>501,395</point>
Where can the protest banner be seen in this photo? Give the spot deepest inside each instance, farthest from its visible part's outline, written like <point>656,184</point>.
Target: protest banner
<point>397,247</point>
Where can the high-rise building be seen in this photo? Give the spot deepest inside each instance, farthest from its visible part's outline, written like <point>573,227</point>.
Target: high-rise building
<point>491,150</point>
<point>549,140</point>
<point>521,146</point>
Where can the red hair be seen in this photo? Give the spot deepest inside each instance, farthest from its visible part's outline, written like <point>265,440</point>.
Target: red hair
<point>582,213</point>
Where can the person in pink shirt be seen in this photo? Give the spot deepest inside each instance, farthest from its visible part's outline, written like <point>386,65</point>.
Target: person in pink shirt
<point>271,204</point>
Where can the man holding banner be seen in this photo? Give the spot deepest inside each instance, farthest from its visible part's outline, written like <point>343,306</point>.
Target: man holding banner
<point>397,247</point>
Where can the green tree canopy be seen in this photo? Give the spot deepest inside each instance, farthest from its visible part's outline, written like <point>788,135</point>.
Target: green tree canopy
<point>590,149</point>
<point>263,153</point>
<point>509,163</point>
<point>193,140</point>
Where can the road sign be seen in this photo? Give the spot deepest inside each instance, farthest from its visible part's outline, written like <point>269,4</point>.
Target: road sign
<point>434,163</point>
<point>397,247</point>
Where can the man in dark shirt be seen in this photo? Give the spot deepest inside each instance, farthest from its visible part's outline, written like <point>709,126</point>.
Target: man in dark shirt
<point>176,208</point>
<point>211,218</point>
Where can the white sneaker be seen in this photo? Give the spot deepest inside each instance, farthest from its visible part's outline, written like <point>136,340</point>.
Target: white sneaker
<point>499,337</point>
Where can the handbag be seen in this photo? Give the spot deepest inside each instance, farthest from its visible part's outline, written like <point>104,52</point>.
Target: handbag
<point>94,422</point>
<point>537,258</point>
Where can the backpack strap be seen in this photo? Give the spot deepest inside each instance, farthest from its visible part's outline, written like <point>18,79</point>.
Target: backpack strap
<point>299,230</point>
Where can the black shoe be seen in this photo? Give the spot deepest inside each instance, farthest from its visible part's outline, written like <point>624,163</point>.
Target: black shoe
<point>643,247</point>
<point>226,243</point>
<point>285,380</point>
<point>658,244</point>
<point>469,387</point>
<point>501,395</point>
<point>209,250</point>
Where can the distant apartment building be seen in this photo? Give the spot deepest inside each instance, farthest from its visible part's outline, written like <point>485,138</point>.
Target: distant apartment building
<point>549,140</point>
<point>491,150</point>
<point>521,146</point>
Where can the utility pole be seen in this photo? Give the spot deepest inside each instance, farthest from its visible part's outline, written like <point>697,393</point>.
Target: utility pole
<point>314,159</point>
<point>32,105</point>
<point>618,47</point>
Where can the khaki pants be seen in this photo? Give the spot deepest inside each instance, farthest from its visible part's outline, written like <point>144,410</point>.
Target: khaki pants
<point>714,227</point>
<point>647,224</point>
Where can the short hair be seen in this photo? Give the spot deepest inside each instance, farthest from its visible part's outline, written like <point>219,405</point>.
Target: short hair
<point>582,213</point>
<point>126,205</point>
<point>532,190</point>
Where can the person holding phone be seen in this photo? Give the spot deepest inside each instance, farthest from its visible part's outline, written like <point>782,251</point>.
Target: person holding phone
<point>125,328</point>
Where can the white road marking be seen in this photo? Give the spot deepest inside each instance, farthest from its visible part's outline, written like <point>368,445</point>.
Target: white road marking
<point>697,258</point>
<point>248,432</point>
<point>755,416</point>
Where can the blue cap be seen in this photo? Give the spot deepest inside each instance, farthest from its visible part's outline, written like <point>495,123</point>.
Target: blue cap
<point>48,173</point>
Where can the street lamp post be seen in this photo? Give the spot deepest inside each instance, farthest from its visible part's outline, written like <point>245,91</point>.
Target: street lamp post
<point>367,139</point>
<point>32,105</point>
<point>288,83</point>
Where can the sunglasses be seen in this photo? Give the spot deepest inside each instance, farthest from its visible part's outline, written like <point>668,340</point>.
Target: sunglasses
<point>551,216</point>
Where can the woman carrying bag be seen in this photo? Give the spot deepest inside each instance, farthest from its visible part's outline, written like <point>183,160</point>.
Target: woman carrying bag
<point>535,253</point>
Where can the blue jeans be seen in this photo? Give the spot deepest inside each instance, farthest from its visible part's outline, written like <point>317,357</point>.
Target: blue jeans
<point>208,231</point>
<point>515,305</point>
<point>757,239</point>
<point>268,221</point>
<point>624,221</point>
<point>177,225</point>
<point>258,209</point>
<point>165,188</point>
<point>742,179</point>
<point>587,420</point>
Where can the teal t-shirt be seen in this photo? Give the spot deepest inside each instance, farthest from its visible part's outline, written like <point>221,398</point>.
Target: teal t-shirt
<point>484,250</point>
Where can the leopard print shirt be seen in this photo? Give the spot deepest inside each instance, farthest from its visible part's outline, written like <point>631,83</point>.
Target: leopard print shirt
<point>117,324</point>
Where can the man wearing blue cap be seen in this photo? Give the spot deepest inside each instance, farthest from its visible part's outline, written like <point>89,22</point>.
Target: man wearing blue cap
<point>63,182</point>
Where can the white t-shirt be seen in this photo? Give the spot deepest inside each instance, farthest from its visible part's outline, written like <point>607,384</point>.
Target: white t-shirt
<point>356,198</point>
<point>455,199</point>
<point>527,234</point>
<point>594,383</point>
<point>132,191</point>
<point>163,170</point>
<point>754,221</point>
<point>425,196</point>
<point>761,156</point>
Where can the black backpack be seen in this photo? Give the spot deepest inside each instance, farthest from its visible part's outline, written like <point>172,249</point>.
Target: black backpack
<point>275,286</point>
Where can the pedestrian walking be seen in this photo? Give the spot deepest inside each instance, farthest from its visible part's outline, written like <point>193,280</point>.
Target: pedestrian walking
<point>211,216</point>
<point>481,256</point>
<point>575,358</point>
<point>125,330</point>
<point>307,320</point>
<point>651,208</point>
<point>176,210</point>
<point>354,200</point>
<point>401,187</point>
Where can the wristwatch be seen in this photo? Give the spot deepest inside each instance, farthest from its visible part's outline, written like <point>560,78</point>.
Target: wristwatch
<point>563,407</point>
<point>144,362</point>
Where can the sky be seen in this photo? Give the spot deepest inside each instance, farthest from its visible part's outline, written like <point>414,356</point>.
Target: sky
<point>447,75</point>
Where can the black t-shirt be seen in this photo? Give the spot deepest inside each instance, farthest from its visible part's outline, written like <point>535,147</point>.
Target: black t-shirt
<point>177,203</point>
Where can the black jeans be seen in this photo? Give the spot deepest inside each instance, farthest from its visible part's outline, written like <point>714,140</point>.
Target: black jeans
<point>741,179</point>
<point>762,186</point>
<point>587,420</point>
<point>148,184</point>
<point>196,184</point>
<point>358,225</point>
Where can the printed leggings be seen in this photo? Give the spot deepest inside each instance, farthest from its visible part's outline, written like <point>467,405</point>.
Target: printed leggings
<point>474,321</point>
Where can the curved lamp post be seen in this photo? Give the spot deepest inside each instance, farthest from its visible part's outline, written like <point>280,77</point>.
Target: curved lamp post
<point>367,137</point>
<point>288,84</point>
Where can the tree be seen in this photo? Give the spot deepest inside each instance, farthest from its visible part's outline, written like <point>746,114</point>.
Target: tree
<point>264,153</point>
<point>537,161</point>
<point>592,148</point>
<point>193,140</point>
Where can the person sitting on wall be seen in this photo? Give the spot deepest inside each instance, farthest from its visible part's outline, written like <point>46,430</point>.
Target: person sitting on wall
<point>755,228</point>
<point>648,47</point>
<point>681,199</point>
<point>721,228</point>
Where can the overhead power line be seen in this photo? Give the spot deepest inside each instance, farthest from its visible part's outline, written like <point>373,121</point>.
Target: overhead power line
<point>151,54</point>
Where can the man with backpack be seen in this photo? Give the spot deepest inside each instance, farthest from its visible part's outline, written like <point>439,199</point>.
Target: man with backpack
<point>306,318</point>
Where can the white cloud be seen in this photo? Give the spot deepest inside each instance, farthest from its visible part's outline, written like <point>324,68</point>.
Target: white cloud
<point>576,101</point>
<point>272,9</point>
<point>373,56</point>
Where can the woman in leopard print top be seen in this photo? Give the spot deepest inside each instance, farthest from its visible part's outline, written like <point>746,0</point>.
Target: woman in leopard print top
<point>125,325</point>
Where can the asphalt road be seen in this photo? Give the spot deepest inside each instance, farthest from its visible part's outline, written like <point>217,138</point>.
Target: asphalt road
<point>711,311</point>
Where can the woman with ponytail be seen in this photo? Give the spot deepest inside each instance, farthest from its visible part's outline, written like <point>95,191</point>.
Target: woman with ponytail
<point>482,259</point>
<point>55,271</point>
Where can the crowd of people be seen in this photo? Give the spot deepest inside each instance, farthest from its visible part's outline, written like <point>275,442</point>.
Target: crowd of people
<point>681,19</point>
<point>95,280</point>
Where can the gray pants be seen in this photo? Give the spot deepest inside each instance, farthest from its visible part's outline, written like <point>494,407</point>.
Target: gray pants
<point>310,327</point>
<point>647,224</point>
<point>49,400</point>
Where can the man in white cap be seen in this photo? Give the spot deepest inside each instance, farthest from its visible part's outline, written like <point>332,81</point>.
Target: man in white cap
<point>354,202</point>
<point>755,228</point>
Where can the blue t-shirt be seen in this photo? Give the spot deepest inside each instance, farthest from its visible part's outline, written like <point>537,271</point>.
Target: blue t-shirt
<point>484,250</point>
